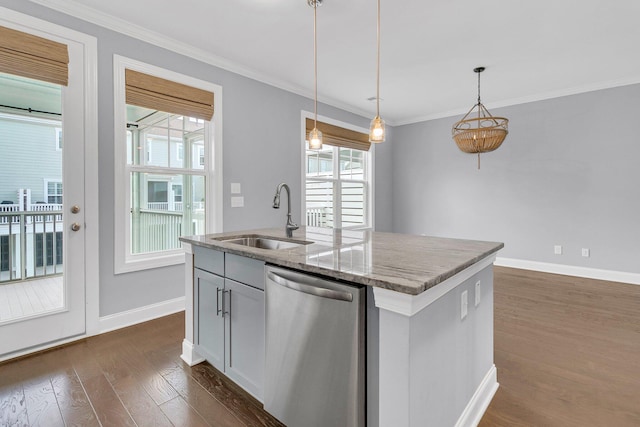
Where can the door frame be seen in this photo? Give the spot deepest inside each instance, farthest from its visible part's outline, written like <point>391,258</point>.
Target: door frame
<point>89,128</point>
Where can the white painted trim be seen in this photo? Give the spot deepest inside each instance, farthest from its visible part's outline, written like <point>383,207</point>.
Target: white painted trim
<point>130,29</point>
<point>123,261</point>
<point>571,270</point>
<point>576,90</point>
<point>111,323</point>
<point>141,314</point>
<point>409,305</point>
<point>189,354</point>
<point>89,45</point>
<point>480,400</point>
<point>303,163</point>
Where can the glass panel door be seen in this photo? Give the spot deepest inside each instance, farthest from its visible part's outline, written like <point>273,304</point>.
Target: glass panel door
<point>41,178</point>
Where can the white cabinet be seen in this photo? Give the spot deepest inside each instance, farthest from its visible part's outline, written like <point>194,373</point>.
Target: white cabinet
<point>229,316</point>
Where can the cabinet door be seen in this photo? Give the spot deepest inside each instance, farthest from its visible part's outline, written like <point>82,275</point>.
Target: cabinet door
<point>244,356</point>
<point>209,317</point>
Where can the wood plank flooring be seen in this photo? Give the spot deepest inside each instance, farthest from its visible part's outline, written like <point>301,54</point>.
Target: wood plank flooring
<point>567,352</point>
<point>130,377</point>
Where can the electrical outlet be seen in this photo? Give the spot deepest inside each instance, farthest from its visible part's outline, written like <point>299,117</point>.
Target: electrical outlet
<point>477,294</point>
<point>585,252</point>
<point>237,201</point>
<point>464,302</point>
<point>557,249</point>
<point>236,188</point>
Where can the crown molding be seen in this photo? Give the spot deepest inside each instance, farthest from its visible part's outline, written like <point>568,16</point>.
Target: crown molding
<point>576,90</point>
<point>85,13</point>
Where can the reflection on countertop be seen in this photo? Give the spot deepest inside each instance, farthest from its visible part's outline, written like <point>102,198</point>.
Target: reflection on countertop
<point>401,262</point>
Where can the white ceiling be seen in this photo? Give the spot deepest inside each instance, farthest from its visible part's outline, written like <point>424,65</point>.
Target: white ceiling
<point>532,49</point>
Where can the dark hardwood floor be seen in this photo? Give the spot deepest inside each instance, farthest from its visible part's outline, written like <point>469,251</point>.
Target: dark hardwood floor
<point>130,377</point>
<point>567,352</point>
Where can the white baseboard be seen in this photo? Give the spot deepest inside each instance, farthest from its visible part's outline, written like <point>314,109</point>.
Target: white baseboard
<point>570,270</point>
<point>189,354</point>
<point>141,314</point>
<point>480,401</point>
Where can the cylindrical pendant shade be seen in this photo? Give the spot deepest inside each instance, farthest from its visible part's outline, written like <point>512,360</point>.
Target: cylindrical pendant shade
<point>315,139</point>
<point>377,132</point>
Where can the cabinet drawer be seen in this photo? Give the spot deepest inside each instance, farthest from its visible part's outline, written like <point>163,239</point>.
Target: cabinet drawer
<point>209,260</point>
<point>245,270</point>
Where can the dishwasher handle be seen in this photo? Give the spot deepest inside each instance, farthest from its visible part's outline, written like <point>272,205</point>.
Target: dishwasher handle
<point>310,289</point>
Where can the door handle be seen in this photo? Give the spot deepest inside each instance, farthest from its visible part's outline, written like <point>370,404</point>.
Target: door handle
<point>75,209</point>
<point>218,301</point>
<point>310,289</point>
<point>75,226</point>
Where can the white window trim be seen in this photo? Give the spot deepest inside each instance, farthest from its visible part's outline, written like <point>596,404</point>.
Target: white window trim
<point>370,170</point>
<point>124,262</point>
<point>46,189</point>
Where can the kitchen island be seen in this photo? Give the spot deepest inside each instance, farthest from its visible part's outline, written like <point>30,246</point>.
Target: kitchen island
<point>429,315</point>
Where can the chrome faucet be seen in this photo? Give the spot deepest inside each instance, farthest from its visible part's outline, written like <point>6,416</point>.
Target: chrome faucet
<point>276,205</point>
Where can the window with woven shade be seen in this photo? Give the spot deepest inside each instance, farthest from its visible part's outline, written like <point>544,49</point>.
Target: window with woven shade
<point>160,94</point>
<point>165,163</point>
<point>340,136</point>
<point>27,55</point>
<point>337,178</point>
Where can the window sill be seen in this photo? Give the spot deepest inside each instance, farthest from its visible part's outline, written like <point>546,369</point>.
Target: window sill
<point>147,262</point>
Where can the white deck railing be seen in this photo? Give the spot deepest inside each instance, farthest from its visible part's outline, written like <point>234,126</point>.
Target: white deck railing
<point>29,244</point>
<point>175,207</point>
<point>37,207</point>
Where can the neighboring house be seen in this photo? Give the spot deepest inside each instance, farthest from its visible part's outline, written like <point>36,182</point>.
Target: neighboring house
<point>30,181</point>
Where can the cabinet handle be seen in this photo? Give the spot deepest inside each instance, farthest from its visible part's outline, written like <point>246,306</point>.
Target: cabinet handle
<point>218,301</point>
<point>224,303</point>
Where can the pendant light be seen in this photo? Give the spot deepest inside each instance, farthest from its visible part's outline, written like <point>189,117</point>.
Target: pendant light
<point>480,133</point>
<point>376,130</point>
<point>315,136</point>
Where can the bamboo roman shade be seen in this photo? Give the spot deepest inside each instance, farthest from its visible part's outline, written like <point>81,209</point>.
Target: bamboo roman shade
<point>159,94</point>
<point>340,137</point>
<point>34,57</point>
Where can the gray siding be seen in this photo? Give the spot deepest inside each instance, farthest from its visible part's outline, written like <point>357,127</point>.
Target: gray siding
<point>28,156</point>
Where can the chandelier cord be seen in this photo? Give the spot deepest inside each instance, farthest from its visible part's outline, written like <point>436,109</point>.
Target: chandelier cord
<point>315,66</point>
<point>479,89</point>
<point>378,66</point>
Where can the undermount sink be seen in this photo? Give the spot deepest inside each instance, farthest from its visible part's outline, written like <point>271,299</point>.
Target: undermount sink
<point>263,242</point>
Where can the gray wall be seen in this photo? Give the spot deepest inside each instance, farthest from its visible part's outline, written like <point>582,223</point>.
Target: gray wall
<point>567,174</point>
<point>261,148</point>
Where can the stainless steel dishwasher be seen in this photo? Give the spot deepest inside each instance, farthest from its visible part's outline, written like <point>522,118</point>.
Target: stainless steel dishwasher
<point>315,350</point>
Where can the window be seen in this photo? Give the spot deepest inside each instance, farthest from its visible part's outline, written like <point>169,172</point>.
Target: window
<point>180,152</point>
<point>53,192</point>
<point>4,252</point>
<point>338,191</point>
<point>168,176</point>
<point>58,139</point>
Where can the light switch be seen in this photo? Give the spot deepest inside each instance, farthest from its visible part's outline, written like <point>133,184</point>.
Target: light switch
<point>237,202</point>
<point>236,188</point>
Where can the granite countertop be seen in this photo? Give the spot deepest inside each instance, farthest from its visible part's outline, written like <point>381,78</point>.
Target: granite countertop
<point>400,262</point>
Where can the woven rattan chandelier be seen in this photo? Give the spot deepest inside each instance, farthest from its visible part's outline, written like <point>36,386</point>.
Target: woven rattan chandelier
<point>480,132</point>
